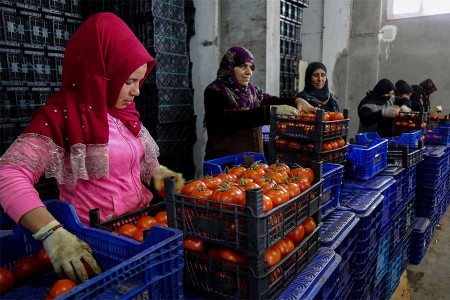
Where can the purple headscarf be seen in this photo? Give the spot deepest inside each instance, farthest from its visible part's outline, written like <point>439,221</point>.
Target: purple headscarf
<point>240,97</point>
<point>428,88</point>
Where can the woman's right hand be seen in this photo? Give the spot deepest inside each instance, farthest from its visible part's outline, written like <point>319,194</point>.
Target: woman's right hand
<point>302,104</point>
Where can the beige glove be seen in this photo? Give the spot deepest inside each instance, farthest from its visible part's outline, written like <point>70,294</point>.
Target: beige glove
<point>405,108</point>
<point>390,111</point>
<point>164,172</point>
<point>439,108</point>
<point>286,110</point>
<point>65,251</point>
<point>302,104</point>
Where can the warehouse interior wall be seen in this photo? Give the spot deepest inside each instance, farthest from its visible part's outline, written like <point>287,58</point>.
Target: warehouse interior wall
<point>220,25</point>
<point>419,51</point>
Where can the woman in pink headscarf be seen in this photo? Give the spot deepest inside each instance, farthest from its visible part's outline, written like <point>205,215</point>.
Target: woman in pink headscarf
<point>89,137</point>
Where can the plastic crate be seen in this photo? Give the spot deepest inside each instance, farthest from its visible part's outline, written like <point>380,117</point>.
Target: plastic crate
<point>421,237</point>
<point>290,48</point>
<point>382,256</point>
<point>363,284</point>
<point>440,136</point>
<point>330,200</point>
<point>411,139</point>
<point>317,280</point>
<point>217,166</point>
<point>404,156</point>
<point>241,227</point>
<point>220,278</point>
<point>412,179</point>
<point>13,71</point>
<point>393,273</point>
<point>292,155</point>
<point>364,162</point>
<point>332,175</point>
<point>290,30</point>
<point>410,217</point>
<point>130,269</point>
<point>387,186</point>
<point>405,253</point>
<point>433,167</point>
<point>288,65</point>
<point>12,27</point>
<point>401,177</point>
<point>407,122</point>
<point>38,31</point>
<point>398,224</point>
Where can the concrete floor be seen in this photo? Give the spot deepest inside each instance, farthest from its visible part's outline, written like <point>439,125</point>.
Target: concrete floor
<point>431,278</point>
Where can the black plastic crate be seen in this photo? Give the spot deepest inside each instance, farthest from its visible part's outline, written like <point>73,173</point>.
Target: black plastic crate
<point>290,47</point>
<point>73,8</point>
<point>287,82</point>
<point>167,80</point>
<point>407,122</point>
<point>40,94</point>
<point>8,133</point>
<point>303,3</point>
<point>181,162</point>
<point>54,6</point>
<point>29,4</point>
<point>6,105</point>
<point>38,30</point>
<point>288,65</point>
<point>25,103</point>
<point>221,278</point>
<point>176,146</point>
<point>242,227</point>
<point>39,64</point>
<point>291,12</point>
<point>290,30</point>
<point>14,69</point>
<point>12,27</point>
<point>59,33</point>
<point>173,131</point>
<point>404,156</point>
<point>56,66</point>
<point>169,9</point>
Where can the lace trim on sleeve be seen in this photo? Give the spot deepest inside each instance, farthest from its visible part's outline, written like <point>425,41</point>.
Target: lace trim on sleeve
<point>149,162</point>
<point>40,154</point>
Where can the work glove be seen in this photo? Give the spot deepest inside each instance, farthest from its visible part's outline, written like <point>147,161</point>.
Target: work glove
<point>439,108</point>
<point>405,108</point>
<point>286,110</point>
<point>302,104</point>
<point>390,111</point>
<point>65,251</point>
<point>164,172</point>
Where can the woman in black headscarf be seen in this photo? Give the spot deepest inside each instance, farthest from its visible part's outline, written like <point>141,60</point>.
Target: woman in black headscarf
<point>316,90</point>
<point>377,110</point>
<point>403,89</point>
<point>416,98</point>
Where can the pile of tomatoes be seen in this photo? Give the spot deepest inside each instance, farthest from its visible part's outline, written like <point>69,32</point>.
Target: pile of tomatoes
<point>409,121</point>
<point>30,267</point>
<point>278,182</point>
<point>144,223</point>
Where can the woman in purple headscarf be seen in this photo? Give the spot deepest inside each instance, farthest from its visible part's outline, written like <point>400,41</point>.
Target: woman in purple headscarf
<point>235,109</point>
<point>428,88</point>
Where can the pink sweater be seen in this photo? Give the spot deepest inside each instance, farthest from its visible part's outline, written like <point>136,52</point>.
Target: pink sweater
<point>115,195</point>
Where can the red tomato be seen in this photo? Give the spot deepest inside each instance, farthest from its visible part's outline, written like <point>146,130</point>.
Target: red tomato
<point>128,229</point>
<point>277,196</point>
<point>297,235</point>
<point>163,224</point>
<point>267,203</point>
<point>212,183</point>
<point>237,171</point>
<point>146,223</point>
<point>309,226</point>
<point>138,235</point>
<point>6,280</point>
<point>334,145</point>
<point>277,177</point>
<point>293,189</point>
<point>262,166</point>
<point>338,116</point>
<point>341,142</point>
<point>281,143</point>
<point>302,183</point>
<point>193,244</point>
<point>43,257</point>
<point>272,256</point>
<point>87,267</point>
<point>230,255</point>
<point>192,186</point>
<point>160,189</point>
<point>161,216</point>
<point>278,165</point>
<point>60,287</point>
<point>205,194</point>
<point>227,177</point>
<point>289,245</point>
<point>229,195</point>
<point>282,246</point>
<point>27,267</point>
<point>254,172</point>
<point>326,146</point>
<point>310,175</point>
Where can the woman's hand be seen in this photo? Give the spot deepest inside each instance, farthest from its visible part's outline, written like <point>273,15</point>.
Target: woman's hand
<point>302,104</point>
<point>164,172</point>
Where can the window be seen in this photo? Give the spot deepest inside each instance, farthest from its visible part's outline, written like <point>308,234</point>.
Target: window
<point>417,8</point>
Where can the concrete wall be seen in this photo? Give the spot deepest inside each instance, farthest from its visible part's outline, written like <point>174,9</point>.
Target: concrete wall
<point>356,60</point>
<point>220,25</point>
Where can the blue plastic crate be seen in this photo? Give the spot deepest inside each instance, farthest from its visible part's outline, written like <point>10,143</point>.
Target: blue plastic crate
<point>401,177</point>
<point>380,288</point>
<point>405,253</point>
<point>364,253</point>
<point>215,166</point>
<point>421,237</point>
<point>367,205</point>
<point>330,200</point>
<point>385,185</point>
<point>440,136</point>
<point>364,162</point>
<point>435,157</point>
<point>152,269</point>
<point>398,225</point>
<point>383,256</point>
<point>317,280</point>
<point>332,175</point>
<point>412,178</point>
<point>363,284</point>
<point>393,273</point>
<point>410,139</point>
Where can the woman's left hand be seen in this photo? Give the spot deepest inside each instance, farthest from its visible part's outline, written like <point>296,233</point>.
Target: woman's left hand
<point>165,172</point>
<point>302,104</point>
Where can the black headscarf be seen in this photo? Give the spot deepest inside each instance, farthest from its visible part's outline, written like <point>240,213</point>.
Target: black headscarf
<point>323,94</point>
<point>416,102</point>
<point>403,87</point>
<point>375,96</point>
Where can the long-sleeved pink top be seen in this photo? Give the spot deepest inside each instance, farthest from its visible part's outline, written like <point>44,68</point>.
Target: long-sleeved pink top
<point>121,192</point>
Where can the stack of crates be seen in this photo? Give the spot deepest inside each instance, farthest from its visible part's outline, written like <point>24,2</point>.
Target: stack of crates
<point>367,205</point>
<point>247,230</point>
<point>166,101</point>
<point>339,232</point>
<point>421,237</point>
<point>33,37</point>
<point>332,180</point>
<point>291,18</point>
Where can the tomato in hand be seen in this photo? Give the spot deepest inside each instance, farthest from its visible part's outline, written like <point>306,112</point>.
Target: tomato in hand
<point>272,256</point>
<point>297,235</point>
<point>161,216</point>
<point>146,222</point>
<point>6,280</point>
<point>27,267</point>
<point>43,257</point>
<point>128,229</point>
<point>87,267</point>
<point>60,287</point>
<point>193,244</point>
<point>309,226</point>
